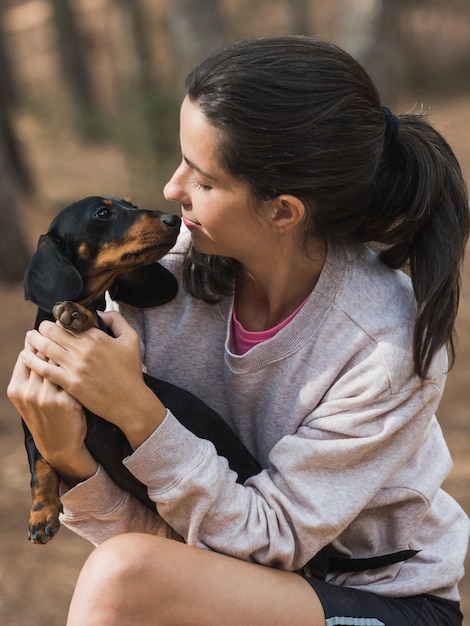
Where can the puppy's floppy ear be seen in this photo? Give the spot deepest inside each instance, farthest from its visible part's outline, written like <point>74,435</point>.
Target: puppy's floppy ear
<point>50,276</point>
<point>151,285</point>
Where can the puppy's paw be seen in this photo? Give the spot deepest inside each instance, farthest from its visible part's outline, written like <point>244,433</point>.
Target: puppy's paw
<point>44,520</point>
<point>73,316</point>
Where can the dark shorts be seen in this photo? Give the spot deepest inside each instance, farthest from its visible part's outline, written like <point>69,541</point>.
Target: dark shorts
<point>345,606</point>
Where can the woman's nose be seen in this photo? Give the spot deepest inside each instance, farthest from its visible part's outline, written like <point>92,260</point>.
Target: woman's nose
<point>174,188</point>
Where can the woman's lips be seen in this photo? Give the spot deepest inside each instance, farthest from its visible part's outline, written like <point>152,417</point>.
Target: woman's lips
<point>189,223</point>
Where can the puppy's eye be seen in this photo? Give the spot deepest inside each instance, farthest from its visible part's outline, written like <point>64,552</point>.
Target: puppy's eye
<point>103,213</point>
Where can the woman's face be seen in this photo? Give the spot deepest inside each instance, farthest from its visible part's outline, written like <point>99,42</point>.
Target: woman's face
<point>218,209</point>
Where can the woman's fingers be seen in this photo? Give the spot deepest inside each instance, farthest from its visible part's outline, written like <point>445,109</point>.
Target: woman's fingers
<point>44,369</point>
<point>55,418</point>
<point>116,323</point>
<point>19,379</point>
<point>59,355</point>
<point>103,373</point>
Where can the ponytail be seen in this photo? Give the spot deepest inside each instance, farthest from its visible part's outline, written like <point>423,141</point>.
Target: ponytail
<point>422,216</point>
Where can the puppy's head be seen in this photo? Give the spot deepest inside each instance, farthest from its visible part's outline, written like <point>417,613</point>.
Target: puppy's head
<point>93,242</point>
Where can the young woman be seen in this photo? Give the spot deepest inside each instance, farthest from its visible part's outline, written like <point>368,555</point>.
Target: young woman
<point>326,358</point>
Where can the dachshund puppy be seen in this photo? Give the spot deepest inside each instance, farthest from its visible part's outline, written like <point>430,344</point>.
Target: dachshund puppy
<point>95,245</point>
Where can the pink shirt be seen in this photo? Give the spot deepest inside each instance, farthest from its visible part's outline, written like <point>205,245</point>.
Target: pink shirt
<point>246,339</point>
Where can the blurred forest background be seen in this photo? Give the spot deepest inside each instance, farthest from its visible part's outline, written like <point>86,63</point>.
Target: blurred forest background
<point>89,100</point>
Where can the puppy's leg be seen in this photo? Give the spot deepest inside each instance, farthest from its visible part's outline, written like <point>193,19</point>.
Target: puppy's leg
<point>75,317</point>
<point>45,506</point>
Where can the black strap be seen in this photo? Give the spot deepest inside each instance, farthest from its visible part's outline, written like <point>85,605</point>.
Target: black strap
<point>324,562</point>
<point>341,564</point>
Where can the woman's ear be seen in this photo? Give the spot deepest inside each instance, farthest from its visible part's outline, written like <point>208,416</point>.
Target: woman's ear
<point>286,212</point>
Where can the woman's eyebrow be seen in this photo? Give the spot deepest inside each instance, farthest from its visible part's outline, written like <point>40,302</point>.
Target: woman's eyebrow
<point>198,169</point>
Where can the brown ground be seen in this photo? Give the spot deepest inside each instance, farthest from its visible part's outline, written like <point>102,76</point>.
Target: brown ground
<point>36,582</point>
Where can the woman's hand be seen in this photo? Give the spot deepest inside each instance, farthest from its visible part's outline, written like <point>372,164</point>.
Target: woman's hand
<point>55,420</point>
<point>103,373</point>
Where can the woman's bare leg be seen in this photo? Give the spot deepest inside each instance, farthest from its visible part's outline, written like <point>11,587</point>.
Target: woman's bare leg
<point>140,579</point>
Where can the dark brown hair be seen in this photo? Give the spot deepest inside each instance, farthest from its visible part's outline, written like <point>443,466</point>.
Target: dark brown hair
<point>300,116</point>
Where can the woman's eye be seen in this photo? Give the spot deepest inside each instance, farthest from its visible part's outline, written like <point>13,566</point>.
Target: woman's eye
<point>103,213</point>
<point>199,185</point>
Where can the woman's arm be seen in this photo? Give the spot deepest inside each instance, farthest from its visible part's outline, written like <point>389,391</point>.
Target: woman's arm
<point>98,509</point>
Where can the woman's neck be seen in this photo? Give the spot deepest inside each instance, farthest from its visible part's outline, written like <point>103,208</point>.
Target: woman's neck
<point>266,295</point>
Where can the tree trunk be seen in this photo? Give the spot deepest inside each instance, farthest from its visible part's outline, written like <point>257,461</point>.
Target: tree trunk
<point>142,43</point>
<point>199,28</point>
<point>300,17</point>
<point>73,58</point>
<point>370,32</point>
<point>9,98</point>
<point>14,253</point>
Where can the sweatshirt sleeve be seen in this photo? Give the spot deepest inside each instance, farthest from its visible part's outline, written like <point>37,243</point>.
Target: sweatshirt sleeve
<point>319,479</point>
<point>98,509</point>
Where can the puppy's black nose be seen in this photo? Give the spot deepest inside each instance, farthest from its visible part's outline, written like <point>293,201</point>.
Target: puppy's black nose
<point>171,220</point>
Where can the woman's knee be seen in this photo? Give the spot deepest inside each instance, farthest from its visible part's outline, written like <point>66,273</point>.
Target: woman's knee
<point>120,578</point>
<point>121,565</point>
<point>124,560</point>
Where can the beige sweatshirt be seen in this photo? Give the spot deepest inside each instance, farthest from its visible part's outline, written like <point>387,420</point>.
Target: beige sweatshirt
<point>352,452</point>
